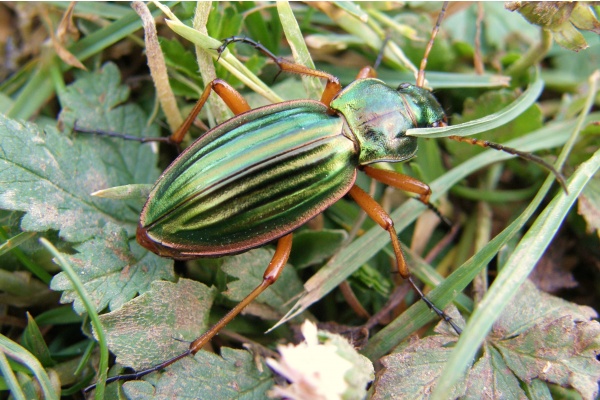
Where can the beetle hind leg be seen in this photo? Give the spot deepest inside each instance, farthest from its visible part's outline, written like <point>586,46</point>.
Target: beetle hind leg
<point>378,214</point>
<point>272,273</point>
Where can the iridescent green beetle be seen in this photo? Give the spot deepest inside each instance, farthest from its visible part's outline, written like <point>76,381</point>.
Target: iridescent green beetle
<point>265,172</point>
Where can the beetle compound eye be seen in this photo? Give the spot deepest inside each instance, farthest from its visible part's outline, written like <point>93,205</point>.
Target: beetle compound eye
<point>404,85</point>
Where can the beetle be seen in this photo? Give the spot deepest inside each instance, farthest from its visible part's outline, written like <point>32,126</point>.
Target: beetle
<point>262,174</point>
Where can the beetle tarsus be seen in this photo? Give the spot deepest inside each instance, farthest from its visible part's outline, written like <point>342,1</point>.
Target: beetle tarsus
<point>433,307</point>
<point>437,212</point>
<point>137,375</point>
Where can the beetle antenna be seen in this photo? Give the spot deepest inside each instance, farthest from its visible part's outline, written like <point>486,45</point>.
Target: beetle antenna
<point>527,156</point>
<point>167,139</point>
<point>436,28</point>
<point>379,58</point>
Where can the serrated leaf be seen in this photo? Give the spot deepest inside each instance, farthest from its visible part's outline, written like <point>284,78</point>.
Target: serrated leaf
<point>531,306</point>
<point>234,374</point>
<point>542,336</point>
<point>111,273</point>
<point>142,333</point>
<point>50,176</point>
<point>249,268</point>
<point>538,336</point>
<point>490,379</point>
<point>412,371</point>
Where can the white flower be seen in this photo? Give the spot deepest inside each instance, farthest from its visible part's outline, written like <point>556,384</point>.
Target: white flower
<point>320,369</point>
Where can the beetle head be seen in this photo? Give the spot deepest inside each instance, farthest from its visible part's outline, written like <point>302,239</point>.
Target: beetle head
<point>425,110</point>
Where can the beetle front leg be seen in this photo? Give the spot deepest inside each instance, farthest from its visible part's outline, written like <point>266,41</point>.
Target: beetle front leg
<point>408,184</point>
<point>378,214</point>
<point>232,98</point>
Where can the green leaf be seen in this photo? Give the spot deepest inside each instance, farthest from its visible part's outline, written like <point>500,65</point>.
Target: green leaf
<point>172,310</point>
<point>235,374</point>
<point>16,352</point>
<point>50,176</point>
<point>249,268</point>
<point>538,336</point>
<point>403,370</point>
<point>111,273</point>
<point>314,247</point>
<point>485,105</point>
<point>544,337</point>
<point>33,340</point>
<point>490,379</point>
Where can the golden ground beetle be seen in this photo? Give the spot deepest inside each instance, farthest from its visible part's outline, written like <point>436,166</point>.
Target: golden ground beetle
<point>265,172</point>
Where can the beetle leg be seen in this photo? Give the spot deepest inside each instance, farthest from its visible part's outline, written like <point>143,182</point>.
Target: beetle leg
<point>378,214</point>
<point>333,83</point>
<point>366,72</point>
<point>332,87</point>
<point>273,271</point>
<point>232,98</point>
<point>407,183</point>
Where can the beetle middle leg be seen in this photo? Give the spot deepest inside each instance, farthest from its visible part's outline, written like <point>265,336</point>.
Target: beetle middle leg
<point>378,214</point>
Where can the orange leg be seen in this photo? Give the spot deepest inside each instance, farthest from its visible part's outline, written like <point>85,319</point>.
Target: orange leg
<point>406,183</point>
<point>232,98</point>
<point>272,273</point>
<point>400,181</point>
<point>366,72</point>
<point>332,87</point>
<point>378,214</point>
